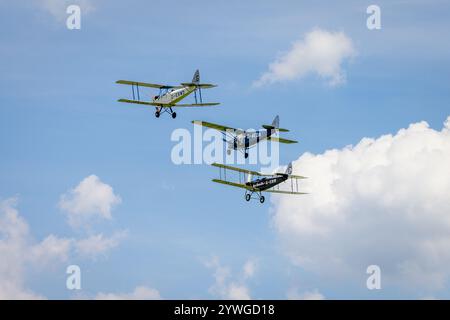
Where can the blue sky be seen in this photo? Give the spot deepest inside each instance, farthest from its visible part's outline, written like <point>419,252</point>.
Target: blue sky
<point>60,122</point>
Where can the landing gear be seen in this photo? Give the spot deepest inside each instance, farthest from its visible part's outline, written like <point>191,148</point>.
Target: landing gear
<point>160,110</point>
<point>249,195</point>
<point>228,152</point>
<point>173,114</point>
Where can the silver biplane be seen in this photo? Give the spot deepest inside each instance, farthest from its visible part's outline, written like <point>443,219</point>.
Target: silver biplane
<point>169,96</point>
<point>242,140</point>
<point>263,183</point>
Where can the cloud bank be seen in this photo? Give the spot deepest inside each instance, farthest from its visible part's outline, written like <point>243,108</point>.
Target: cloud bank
<point>321,53</point>
<point>385,201</point>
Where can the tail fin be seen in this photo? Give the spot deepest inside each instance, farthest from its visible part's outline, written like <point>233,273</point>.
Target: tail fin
<point>289,168</point>
<point>276,122</point>
<point>196,78</point>
<point>275,125</point>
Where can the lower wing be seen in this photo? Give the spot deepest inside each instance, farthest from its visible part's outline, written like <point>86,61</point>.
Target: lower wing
<point>141,102</point>
<point>210,104</point>
<point>167,105</point>
<point>281,140</point>
<point>233,184</point>
<point>285,192</point>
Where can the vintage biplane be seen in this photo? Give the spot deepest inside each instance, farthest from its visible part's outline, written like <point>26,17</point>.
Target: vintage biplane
<point>264,183</point>
<point>169,96</point>
<point>242,140</point>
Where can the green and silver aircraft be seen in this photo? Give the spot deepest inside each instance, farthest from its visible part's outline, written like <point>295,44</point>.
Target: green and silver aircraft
<point>169,96</point>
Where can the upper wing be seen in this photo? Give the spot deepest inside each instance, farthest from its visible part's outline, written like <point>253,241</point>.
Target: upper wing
<point>255,173</point>
<point>297,177</point>
<point>281,140</point>
<point>144,84</point>
<point>209,104</point>
<point>198,85</point>
<point>281,191</point>
<point>290,175</point>
<point>216,126</point>
<point>233,184</point>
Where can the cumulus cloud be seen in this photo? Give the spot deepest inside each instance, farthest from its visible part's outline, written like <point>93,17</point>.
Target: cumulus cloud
<point>57,8</point>
<point>249,268</point>
<point>227,286</point>
<point>18,251</point>
<point>321,52</point>
<point>98,244</point>
<point>51,248</point>
<point>293,294</point>
<point>139,293</point>
<point>90,200</point>
<point>385,201</point>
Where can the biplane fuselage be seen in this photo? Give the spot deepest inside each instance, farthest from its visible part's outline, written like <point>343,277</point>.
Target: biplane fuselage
<point>267,183</point>
<point>248,139</point>
<point>173,96</point>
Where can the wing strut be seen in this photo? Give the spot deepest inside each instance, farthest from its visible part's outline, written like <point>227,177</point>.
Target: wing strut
<point>137,91</point>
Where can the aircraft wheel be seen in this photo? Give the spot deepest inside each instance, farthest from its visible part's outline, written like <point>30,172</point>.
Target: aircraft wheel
<point>174,115</point>
<point>246,155</point>
<point>157,114</point>
<point>261,199</point>
<point>247,197</point>
<point>228,152</point>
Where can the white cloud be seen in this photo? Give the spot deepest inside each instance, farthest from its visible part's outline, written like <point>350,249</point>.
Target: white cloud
<point>321,52</point>
<point>139,293</point>
<point>385,201</point>
<point>228,287</point>
<point>57,8</point>
<point>237,291</point>
<point>249,268</point>
<point>50,249</point>
<point>293,294</point>
<point>95,245</point>
<point>91,199</point>
<point>17,252</point>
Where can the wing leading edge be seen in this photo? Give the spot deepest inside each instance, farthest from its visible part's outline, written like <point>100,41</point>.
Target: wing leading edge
<point>168,105</point>
<point>233,184</point>
<point>145,84</point>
